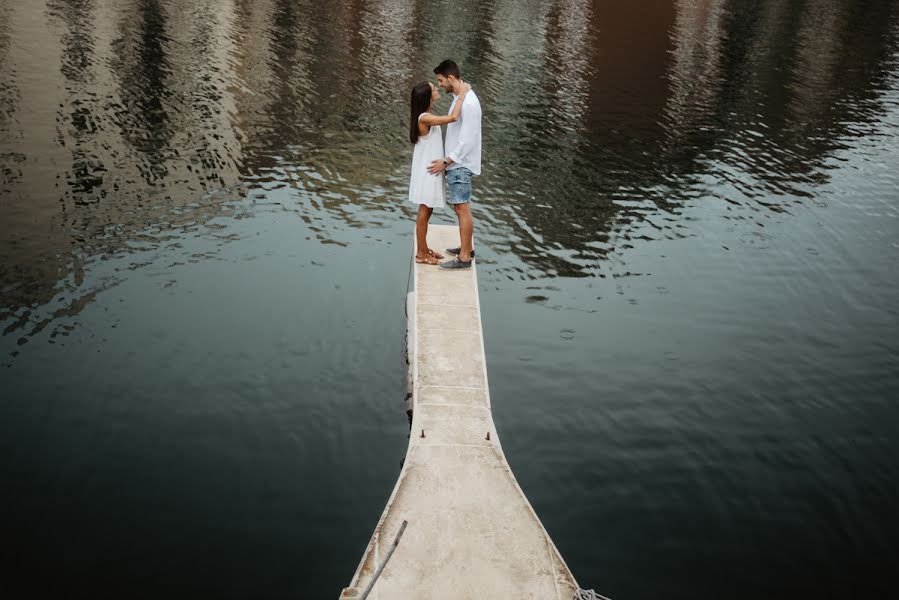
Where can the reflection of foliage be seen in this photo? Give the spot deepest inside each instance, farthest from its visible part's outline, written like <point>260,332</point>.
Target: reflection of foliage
<point>732,121</point>
<point>597,127</point>
<point>143,72</point>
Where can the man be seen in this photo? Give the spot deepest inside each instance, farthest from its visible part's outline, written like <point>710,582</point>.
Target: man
<point>462,162</point>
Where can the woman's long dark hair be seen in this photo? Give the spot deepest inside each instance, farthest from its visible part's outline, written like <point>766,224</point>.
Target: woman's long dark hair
<point>420,103</point>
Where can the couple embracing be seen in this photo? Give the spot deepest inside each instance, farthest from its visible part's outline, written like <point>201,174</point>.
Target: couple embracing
<point>458,165</point>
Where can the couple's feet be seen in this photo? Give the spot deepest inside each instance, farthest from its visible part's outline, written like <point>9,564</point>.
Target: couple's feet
<point>433,258</point>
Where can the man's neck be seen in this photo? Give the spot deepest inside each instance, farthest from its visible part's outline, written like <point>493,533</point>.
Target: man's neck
<point>458,87</point>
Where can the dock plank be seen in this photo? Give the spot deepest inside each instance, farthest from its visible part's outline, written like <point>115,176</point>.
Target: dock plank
<point>471,534</point>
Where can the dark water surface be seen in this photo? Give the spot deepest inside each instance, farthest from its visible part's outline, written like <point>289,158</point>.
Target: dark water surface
<point>687,231</point>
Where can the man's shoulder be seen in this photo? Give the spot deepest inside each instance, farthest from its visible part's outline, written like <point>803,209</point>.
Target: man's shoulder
<point>471,98</point>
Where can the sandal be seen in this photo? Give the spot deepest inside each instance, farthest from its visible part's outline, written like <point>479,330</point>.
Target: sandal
<point>434,254</point>
<point>426,260</point>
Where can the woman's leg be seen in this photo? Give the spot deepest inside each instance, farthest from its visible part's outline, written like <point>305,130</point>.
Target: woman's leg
<point>421,231</point>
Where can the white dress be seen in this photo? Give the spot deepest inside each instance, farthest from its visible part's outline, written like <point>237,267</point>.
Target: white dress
<point>425,188</point>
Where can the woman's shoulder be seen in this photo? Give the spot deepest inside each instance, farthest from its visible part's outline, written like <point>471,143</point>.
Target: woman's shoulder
<point>423,114</point>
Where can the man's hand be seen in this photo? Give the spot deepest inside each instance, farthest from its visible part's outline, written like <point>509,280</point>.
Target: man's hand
<point>436,167</point>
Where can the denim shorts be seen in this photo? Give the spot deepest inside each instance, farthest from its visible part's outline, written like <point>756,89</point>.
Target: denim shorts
<point>458,181</point>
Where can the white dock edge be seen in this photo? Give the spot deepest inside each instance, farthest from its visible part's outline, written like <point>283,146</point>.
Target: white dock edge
<point>472,533</point>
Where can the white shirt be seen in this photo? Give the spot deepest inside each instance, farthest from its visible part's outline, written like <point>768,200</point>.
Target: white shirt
<point>463,138</point>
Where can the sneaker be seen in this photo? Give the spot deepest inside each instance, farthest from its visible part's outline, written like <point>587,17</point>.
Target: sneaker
<point>456,264</point>
<point>456,251</point>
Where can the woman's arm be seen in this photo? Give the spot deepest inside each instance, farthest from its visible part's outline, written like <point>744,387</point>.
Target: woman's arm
<point>430,119</point>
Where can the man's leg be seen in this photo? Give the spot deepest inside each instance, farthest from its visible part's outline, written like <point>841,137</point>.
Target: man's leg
<point>421,229</point>
<point>466,230</point>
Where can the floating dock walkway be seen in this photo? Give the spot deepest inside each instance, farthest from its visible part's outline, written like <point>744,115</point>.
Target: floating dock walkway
<point>471,532</point>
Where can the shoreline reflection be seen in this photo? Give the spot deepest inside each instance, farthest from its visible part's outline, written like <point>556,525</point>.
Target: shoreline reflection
<point>154,116</point>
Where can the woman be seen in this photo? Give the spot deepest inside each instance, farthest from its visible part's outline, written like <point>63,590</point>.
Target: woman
<point>425,189</point>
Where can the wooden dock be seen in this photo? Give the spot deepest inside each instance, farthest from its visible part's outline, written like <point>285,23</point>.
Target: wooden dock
<point>471,533</point>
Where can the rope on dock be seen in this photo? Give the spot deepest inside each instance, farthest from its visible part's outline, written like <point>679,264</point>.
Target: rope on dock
<point>409,278</point>
<point>383,564</point>
<point>588,595</point>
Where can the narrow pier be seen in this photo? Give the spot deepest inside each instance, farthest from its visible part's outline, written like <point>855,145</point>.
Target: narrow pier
<point>471,533</point>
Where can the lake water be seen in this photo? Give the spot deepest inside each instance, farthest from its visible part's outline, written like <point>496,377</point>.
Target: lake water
<point>688,237</point>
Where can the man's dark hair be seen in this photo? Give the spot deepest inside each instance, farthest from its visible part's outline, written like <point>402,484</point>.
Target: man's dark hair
<point>447,68</point>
